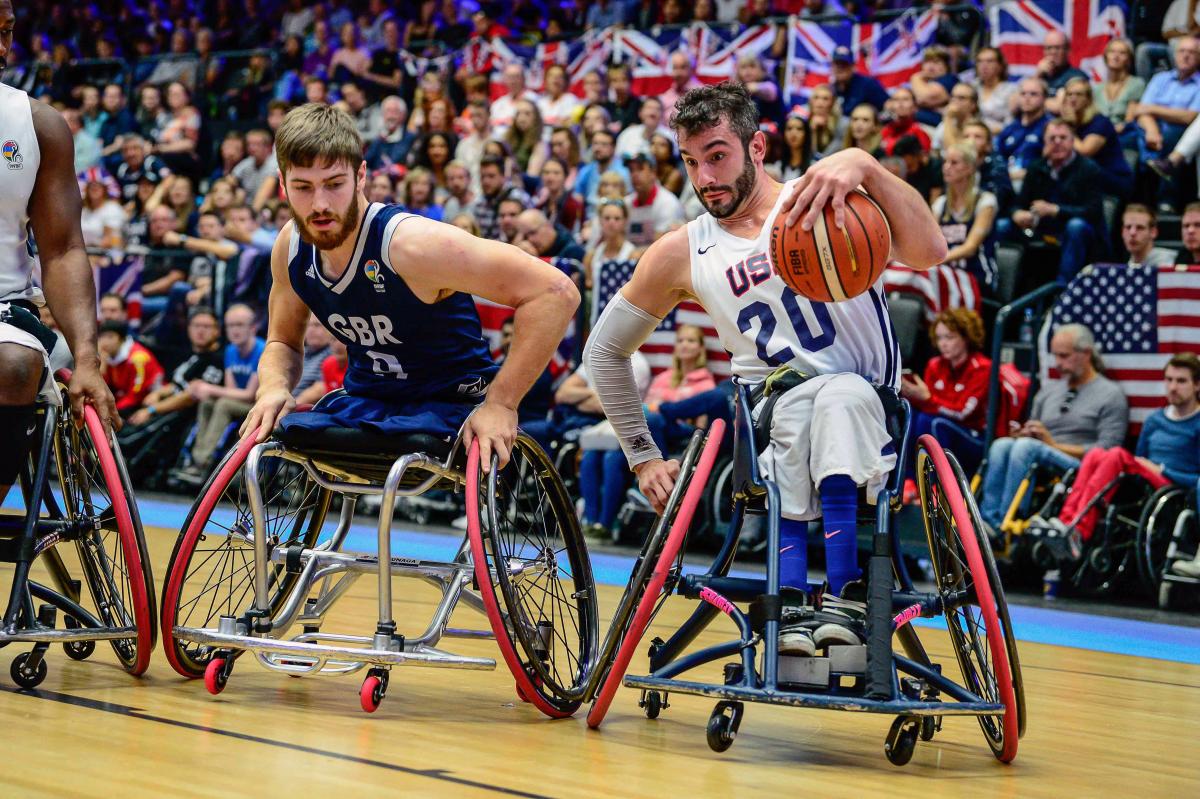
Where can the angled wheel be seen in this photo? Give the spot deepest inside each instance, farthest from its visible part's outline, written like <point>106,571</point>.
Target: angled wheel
<point>534,576</point>
<point>112,552</point>
<point>211,570</point>
<point>980,642</point>
<point>666,564</point>
<point>1157,525</point>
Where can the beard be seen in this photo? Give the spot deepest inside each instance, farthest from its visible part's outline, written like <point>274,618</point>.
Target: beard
<point>347,225</point>
<point>738,192</point>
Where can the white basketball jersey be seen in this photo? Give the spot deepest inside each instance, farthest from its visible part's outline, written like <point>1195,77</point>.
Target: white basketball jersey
<point>764,324</point>
<point>19,160</point>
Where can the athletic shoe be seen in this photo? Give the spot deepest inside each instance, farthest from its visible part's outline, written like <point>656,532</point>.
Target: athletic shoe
<point>795,624</point>
<point>1165,168</point>
<point>1188,568</point>
<point>796,641</point>
<point>844,617</point>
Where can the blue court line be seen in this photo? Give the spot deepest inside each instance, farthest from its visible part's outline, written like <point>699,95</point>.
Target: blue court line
<point>1035,624</point>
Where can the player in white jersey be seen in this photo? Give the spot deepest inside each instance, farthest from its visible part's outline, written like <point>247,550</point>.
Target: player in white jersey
<point>38,189</point>
<point>828,433</point>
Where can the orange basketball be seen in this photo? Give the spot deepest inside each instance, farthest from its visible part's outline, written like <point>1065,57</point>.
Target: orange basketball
<point>830,265</point>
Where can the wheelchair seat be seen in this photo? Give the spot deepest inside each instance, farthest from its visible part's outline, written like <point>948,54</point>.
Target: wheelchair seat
<point>335,442</point>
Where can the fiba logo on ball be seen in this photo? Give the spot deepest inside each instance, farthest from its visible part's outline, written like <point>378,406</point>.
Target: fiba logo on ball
<point>12,154</point>
<point>371,269</point>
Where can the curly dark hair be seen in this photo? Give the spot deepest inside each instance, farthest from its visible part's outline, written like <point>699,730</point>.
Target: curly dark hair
<point>708,106</point>
<point>962,321</point>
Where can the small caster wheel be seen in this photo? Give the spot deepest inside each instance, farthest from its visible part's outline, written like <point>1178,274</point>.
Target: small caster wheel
<point>374,687</point>
<point>77,650</point>
<point>26,675</point>
<point>901,740</point>
<point>930,726</point>
<point>216,674</point>
<point>723,725</point>
<point>653,704</point>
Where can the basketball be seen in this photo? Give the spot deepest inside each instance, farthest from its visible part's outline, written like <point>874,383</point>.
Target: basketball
<point>830,265</point>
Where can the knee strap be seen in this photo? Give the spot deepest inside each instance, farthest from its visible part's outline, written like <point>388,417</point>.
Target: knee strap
<point>18,425</point>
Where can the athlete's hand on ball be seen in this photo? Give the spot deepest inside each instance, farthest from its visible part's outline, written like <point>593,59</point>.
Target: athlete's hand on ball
<point>495,426</point>
<point>827,181</point>
<point>88,387</point>
<point>656,479</point>
<point>269,408</point>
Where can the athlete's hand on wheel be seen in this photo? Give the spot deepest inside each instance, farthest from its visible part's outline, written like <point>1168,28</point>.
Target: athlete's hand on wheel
<point>827,181</point>
<point>87,387</point>
<point>495,426</point>
<point>269,408</point>
<point>656,479</point>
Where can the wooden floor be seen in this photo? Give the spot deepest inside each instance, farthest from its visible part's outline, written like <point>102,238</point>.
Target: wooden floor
<point>1099,725</point>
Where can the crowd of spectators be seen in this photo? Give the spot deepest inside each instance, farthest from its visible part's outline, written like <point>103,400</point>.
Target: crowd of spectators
<point>178,175</point>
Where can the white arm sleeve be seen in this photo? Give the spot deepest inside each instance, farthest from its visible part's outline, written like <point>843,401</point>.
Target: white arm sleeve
<point>616,336</point>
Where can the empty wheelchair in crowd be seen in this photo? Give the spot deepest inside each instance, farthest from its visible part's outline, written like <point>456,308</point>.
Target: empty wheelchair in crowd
<point>872,677</point>
<point>80,526</point>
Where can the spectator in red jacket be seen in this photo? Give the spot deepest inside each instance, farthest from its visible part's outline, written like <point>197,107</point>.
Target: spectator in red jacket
<point>903,105</point>
<point>951,401</point>
<point>130,370</point>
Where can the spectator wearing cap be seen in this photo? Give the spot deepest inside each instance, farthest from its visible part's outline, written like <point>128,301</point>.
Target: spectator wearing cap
<point>683,79</point>
<point>854,88</point>
<point>392,144</point>
<point>921,171</point>
<point>587,184</point>
<point>1059,201</point>
<point>538,236</point>
<point>130,370</point>
<point>636,138</point>
<point>653,211</point>
<point>932,85</point>
<point>1139,230</point>
<point>504,107</point>
<point>904,121</point>
<point>1020,143</point>
<point>1055,68</point>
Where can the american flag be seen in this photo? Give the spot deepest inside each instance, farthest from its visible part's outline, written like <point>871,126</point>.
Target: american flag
<point>1020,26</point>
<point>1140,316</point>
<point>888,51</point>
<point>939,288</point>
<point>661,344</point>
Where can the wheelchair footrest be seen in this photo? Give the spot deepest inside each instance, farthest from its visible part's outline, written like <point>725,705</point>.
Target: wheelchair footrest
<point>821,672</point>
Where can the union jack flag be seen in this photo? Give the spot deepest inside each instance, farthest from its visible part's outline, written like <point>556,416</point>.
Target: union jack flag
<point>714,49</point>
<point>123,276</point>
<point>1020,26</point>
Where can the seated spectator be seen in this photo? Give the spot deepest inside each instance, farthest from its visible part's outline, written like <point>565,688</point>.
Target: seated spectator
<point>1139,229</point>
<point>1055,68</point>
<point>852,87</point>
<point>931,85</point>
<point>381,188</point>
<point>1021,142</point>
<point>1121,87</point>
<point>922,172</point>
<point>386,74</point>
<point>688,377</point>
<point>904,121</point>
<point>613,245</point>
<point>997,94</point>
<point>227,404</point>
<point>653,211</point>
<point>432,153</point>
<point>177,140</point>
<point>151,115</point>
<point>537,403</point>
<point>511,206</point>
<point>557,105</point>
<point>178,193</point>
<point>636,138</point>
<point>1096,138</point>
<point>1168,451</point>
<point>622,106</point>
<point>864,131</point>
<point>117,123</point>
<point>559,205</point>
<point>682,71</point>
<point>419,194</point>
<point>103,219</point>
<point>165,265</point>
<point>258,173</point>
<point>1169,104</point>
<point>465,221</point>
<point>231,153</point>
<point>130,370</point>
<point>564,145</point>
<point>351,59</point>
<point>242,226</point>
<point>459,197</point>
<point>603,159</point>
<point>1069,416</point>
<point>993,170</point>
<point>333,373</point>
<point>537,235</point>
<point>1181,18</point>
<point>504,108</point>
<point>669,175</point>
<point>316,349</point>
<point>1189,226</point>
<point>962,108</point>
<point>212,248</point>
<point>767,97</point>
<point>797,150</point>
<point>136,164</point>
<point>112,307</point>
<point>494,188</point>
<point>393,141</point>
<point>826,124</point>
<point>1059,202</point>
<point>950,403</point>
<point>87,146</point>
<point>223,194</point>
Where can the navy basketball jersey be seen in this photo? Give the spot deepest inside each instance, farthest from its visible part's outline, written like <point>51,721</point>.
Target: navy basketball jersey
<point>400,348</point>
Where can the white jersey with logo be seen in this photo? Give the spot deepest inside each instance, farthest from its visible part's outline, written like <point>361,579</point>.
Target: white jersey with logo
<point>19,160</point>
<point>764,324</point>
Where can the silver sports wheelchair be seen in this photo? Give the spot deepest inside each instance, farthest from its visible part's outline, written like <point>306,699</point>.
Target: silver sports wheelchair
<point>869,678</point>
<point>80,523</point>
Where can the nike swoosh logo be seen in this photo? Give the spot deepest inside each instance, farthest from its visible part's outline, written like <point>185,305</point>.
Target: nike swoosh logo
<point>831,535</point>
<point>701,251</point>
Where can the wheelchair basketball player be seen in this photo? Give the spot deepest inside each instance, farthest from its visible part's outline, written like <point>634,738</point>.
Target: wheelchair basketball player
<point>827,431</point>
<point>396,289</point>
<point>39,191</point>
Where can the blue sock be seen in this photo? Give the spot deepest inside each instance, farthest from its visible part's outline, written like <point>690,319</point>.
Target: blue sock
<point>839,504</point>
<point>793,554</point>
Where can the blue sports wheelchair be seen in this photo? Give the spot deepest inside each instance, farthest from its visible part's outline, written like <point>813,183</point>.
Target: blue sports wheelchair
<point>873,677</point>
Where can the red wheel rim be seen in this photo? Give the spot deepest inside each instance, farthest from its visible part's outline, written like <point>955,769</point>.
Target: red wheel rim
<point>366,694</point>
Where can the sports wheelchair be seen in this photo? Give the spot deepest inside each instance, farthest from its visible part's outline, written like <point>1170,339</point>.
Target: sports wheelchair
<point>75,490</point>
<point>868,678</point>
<point>1173,520</point>
<point>261,552</point>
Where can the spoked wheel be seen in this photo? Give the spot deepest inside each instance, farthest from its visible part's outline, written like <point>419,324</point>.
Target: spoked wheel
<point>678,515</point>
<point>211,571</point>
<point>111,549</point>
<point>534,576</point>
<point>960,569</point>
<point>1154,534</point>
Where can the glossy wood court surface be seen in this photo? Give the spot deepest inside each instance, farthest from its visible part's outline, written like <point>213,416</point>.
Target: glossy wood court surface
<point>1099,725</point>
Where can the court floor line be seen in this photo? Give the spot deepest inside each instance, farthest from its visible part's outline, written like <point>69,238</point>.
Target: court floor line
<point>136,713</point>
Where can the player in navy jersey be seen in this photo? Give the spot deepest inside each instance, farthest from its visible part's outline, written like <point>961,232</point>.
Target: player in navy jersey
<point>396,289</point>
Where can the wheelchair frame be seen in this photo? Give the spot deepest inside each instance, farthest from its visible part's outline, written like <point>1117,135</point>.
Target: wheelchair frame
<point>122,616</point>
<point>913,698</point>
